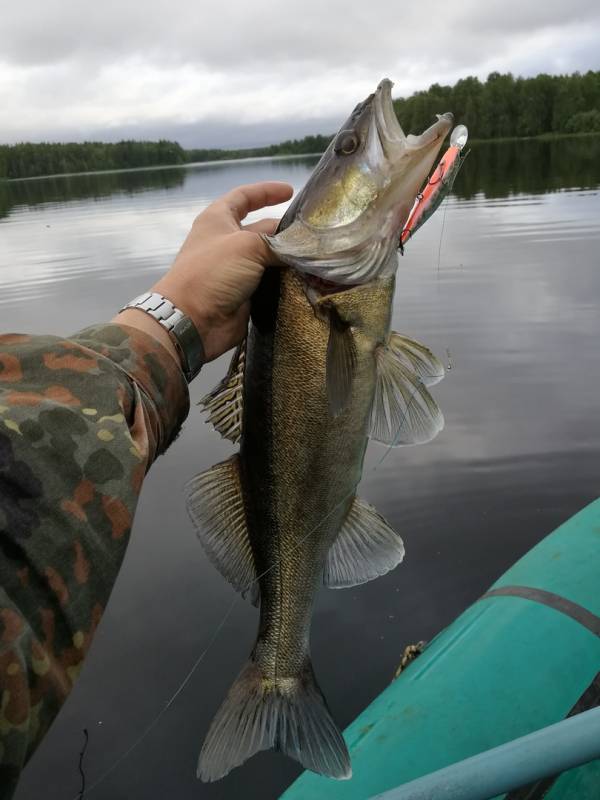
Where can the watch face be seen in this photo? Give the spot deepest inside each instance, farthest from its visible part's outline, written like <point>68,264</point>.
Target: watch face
<point>189,344</point>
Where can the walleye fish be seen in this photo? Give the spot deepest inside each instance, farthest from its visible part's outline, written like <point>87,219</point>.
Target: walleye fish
<point>319,373</point>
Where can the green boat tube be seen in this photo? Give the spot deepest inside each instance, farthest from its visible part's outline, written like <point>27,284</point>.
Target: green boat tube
<point>524,656</point>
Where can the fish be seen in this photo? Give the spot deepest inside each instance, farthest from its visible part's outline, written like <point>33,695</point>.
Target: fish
<point>319,373</point>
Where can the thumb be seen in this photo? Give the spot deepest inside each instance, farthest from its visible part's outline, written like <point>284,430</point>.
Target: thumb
<point>228,211</point>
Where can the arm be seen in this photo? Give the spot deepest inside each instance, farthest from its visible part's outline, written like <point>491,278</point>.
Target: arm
<point>81,421</point>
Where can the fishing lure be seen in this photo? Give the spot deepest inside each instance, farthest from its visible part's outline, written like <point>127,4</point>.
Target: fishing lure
<point>438,186</point>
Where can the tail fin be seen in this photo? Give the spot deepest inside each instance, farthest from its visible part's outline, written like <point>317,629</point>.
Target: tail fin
<point>288,714</point>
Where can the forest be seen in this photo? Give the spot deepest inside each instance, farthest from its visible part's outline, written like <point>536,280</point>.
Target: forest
<point>292,147</point>
<point>505,106</point>
<point>26,160</point>
<point>501,106</point>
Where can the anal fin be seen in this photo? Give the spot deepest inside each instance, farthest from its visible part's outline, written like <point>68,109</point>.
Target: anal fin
<point>224,403</point>
<point>216,507</point>
<point>365,548</point>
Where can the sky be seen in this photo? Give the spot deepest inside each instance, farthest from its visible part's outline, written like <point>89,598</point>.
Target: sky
<point>245,73</point>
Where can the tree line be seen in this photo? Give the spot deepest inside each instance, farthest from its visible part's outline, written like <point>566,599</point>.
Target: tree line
<point>501,106</point>
<point>505,106</point>
<point>27,160</point>
<point>292,147</point>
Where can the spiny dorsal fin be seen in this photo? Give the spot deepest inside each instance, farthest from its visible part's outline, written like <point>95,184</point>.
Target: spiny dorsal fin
<point>418,358</point>
<point>216,507</point>
<point>403,411</point>
<point>224,403</point>
<point>341,362</point>
<point>365,548</point>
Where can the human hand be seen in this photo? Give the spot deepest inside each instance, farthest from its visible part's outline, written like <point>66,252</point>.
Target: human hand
<point>220,265</point>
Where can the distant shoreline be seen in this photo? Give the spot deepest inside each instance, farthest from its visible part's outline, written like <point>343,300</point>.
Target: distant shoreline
<point>230,157</point>
<point>156,167</point>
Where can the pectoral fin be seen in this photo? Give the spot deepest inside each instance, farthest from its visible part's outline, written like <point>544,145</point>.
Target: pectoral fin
<point>341,362</point>
<point>216,507</point>
<point>224,403</point>
<point>403,411</point>
<point>366,547</point>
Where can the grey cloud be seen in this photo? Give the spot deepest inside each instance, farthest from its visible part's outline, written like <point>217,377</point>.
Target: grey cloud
<point>224,134</point>
<point>524,16</point>
<point>259,33</point>
<point>213,133</point>
<point>252,73</point>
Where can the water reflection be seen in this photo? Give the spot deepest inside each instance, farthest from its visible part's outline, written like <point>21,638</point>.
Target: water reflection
<point>499,169</point>
<point>97,185</point>
<point>91,186</point>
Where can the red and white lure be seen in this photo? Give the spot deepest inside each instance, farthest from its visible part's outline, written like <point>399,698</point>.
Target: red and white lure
<point>439,184</point>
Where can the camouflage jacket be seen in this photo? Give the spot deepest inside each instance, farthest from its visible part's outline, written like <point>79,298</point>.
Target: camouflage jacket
<point>81,421</point>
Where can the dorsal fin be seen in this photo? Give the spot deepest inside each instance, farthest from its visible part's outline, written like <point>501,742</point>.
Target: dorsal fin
<point>224,403</point>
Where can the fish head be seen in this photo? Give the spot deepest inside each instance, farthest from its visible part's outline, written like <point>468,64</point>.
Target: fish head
<point>345,224</point>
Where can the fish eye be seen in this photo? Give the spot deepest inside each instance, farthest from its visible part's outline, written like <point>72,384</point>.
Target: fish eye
<point>346,143</point>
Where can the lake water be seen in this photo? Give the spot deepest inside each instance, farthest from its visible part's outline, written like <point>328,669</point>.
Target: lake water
<point>503,283</point>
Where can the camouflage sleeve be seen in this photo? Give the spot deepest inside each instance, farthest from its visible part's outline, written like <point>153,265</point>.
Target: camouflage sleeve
<point>81,421</point>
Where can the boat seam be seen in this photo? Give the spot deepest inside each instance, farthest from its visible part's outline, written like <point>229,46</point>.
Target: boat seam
<point>557,602</point>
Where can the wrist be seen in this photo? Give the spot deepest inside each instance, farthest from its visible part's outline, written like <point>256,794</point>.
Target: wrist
<point>186,298</point>
<point>178,327</point>
<point>136,318</point>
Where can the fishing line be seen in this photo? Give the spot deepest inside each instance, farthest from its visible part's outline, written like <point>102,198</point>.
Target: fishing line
<point>86,739</point>
<point>167,705</point>
<point>440,244</point>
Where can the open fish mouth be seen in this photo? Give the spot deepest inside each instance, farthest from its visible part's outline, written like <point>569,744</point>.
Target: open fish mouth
<point>390,131</point>
<point>387,122</point>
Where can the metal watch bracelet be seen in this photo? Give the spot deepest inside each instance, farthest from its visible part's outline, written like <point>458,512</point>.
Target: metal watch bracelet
<point>182,330</point>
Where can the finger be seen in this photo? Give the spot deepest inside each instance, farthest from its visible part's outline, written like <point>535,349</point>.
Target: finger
<point>262,253</point>
<point>235,206</point>
<point>267,226</point>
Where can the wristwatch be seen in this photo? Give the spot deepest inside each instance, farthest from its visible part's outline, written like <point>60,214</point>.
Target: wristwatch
<point>182,330</point>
